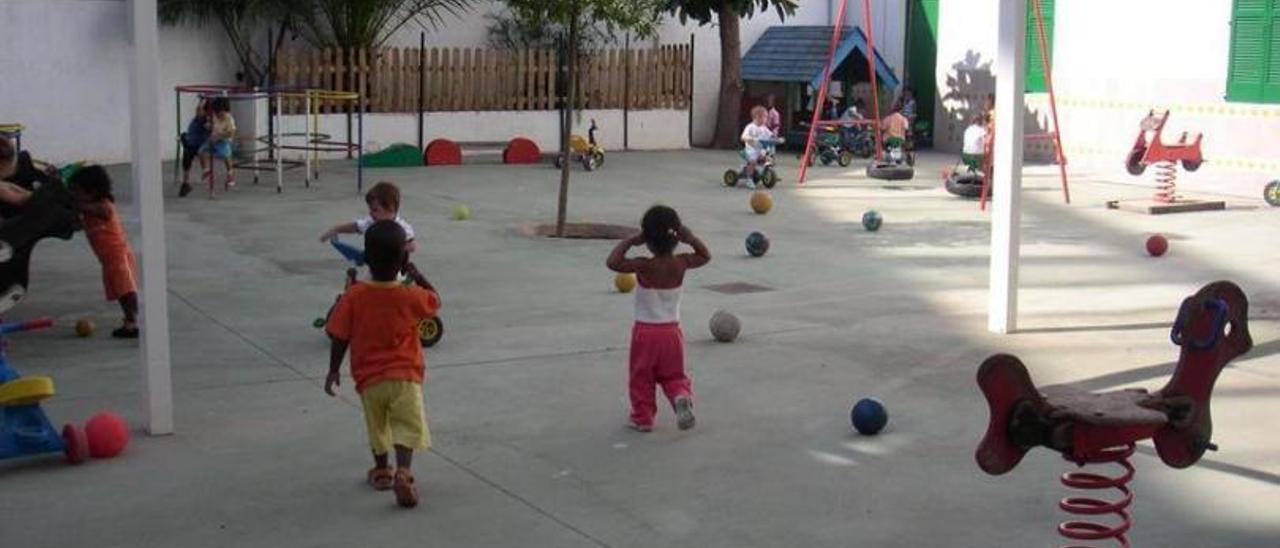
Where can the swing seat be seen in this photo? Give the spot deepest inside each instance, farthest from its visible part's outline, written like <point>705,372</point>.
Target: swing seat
<point>890,171</point>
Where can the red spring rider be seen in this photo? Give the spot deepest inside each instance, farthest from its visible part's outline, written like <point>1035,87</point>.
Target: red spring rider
<point>1164,156</point>
<point>1091,428</point>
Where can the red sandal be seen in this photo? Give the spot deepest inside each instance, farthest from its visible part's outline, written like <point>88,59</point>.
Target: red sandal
<point>380,478</point>
<point>406,492</point>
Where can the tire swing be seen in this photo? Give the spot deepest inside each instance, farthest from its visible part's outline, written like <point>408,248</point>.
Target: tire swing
<point>965,183</point>
<point>889,171</point>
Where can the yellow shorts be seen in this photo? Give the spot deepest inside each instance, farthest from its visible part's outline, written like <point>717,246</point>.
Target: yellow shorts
<point>394,416</point>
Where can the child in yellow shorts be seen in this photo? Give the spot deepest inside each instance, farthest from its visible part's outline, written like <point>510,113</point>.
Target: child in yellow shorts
<point>378,321</point>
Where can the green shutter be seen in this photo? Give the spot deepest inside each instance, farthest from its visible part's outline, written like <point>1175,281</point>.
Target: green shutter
<point>1035,65</point>
<point>1253,73</point>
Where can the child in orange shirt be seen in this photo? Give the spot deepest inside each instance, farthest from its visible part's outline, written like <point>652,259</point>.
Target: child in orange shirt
<point>91,187</point>
<point>378,321</point>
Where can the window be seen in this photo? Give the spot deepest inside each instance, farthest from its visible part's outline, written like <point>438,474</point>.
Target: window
<point>1253,73</point>
<point>1035,65</point>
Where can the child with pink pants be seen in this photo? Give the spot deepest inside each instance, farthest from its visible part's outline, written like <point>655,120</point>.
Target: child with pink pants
<point>657,343</point>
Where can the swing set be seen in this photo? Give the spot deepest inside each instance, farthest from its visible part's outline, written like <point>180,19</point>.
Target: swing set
<point>1041,42</point>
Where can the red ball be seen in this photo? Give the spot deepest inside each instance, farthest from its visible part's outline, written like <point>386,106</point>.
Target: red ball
<point>108,435</point>
<point>1157,245</point>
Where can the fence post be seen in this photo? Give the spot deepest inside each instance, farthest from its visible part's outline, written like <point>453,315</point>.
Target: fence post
<point>692,37</point>
<point>626,94</point>
<point>422,84</point>
<point>348,58</point>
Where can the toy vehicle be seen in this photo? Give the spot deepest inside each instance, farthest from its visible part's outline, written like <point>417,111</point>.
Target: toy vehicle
<point>764,172</point>
<point>430,330</point>
<point>586,151</point>
<point>24,428</point>
<point>1272,193</point>
<point>1145,153</point>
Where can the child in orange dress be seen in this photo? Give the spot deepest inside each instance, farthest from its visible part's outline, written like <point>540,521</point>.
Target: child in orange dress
<point>91,187</point>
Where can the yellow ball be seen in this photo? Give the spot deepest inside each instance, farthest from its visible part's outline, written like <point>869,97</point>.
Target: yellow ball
<point>461,213</point>
<point>761,202</point>
<point>625,282</point>
<point>84,328</point>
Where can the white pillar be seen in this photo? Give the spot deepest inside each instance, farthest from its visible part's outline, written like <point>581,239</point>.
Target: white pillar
<point>1006,203</point>
<point>148,187</point>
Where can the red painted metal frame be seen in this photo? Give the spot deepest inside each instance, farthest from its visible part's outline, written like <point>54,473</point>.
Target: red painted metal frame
<point>821,102</point>
<point>1056,134</point>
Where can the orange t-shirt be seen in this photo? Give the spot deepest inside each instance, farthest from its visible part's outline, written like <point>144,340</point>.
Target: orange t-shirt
<point>381,322</point>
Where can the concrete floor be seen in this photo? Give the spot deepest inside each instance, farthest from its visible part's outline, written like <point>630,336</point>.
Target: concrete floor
<point>526,392</point>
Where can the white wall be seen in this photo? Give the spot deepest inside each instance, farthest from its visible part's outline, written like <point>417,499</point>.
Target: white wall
<point>64,75</point>
<point>1112,62</point>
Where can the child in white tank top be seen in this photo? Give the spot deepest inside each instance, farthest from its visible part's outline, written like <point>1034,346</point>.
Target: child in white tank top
<point>657,343</point>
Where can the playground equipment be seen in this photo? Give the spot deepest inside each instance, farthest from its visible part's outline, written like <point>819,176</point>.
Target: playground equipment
<point>430,330</point>
<point>830,148</point>
<point>897,164</point>
<point>13,131</point>
<point>965,180</point>
<point>725,326</point>
<point>1096,428</point>
<point>50,212</point>
<point>25,430</point>
<point>763,172</point>
<point>586,151</point>
<point>444,152</point>
<point>869,416</point>
<point>310,141</point>
<point>1150,149</point>
<point>1272,193</point>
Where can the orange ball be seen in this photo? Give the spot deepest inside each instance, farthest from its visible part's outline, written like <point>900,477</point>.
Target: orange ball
<point>84,328</point>
<point>761,202</point>
<point>108,434</point>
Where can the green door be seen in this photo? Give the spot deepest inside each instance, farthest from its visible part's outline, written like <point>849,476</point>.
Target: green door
<point>922,55</point>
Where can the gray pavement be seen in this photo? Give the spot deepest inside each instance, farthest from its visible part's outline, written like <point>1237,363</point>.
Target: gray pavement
<point>526,396</point>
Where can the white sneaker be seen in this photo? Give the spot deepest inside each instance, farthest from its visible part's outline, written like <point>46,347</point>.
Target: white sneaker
<point>751,185</point>
<point>684,413</point>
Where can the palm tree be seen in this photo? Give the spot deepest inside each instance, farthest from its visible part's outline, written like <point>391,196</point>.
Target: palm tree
<point>728,13</point>
<point>243,21</point>
<point>369,24</point>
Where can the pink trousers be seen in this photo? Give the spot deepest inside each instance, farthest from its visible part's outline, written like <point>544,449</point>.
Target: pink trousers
<point>657,359</point>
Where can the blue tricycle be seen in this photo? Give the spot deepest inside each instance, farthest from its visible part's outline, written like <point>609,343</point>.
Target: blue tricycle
<point>430,330</point>
<point>24,428</point>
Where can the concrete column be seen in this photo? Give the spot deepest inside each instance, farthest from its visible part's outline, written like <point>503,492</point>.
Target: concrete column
<point>148,187</point>
<point>1006,204</point>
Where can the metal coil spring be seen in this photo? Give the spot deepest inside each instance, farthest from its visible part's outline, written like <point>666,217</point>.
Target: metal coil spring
<point>1166,182</point>
<point>1090,506</point>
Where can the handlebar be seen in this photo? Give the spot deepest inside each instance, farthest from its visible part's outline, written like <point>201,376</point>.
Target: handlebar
<point>29,325</point>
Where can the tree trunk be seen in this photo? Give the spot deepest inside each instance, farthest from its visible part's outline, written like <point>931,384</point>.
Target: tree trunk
<point>568,106</point>
<point>731,88</point>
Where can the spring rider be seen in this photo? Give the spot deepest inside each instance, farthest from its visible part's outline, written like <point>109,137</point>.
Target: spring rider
<point>1153,151</point>
<point>24,428</point>
<point>1100,428</point>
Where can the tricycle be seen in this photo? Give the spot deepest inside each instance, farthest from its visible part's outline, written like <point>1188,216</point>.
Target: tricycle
<point>762,172</point>
<point>25,430</point>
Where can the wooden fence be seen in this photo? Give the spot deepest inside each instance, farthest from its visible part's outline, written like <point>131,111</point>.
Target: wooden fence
<point>488,80</point>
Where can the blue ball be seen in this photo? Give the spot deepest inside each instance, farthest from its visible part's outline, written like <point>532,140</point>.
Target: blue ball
<point>871,220</point>
<point>869,416</point>
<point>757,244</point>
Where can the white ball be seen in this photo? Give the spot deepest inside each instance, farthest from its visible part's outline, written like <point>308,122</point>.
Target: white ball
<point>725,326</point>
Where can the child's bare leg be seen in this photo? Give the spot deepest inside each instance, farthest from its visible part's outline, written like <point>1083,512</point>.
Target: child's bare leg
<point>404,457</point>
<point>406,492</point>
<point>206,164</point>
<point>231,172</point>
<point>380,460</point>
<point>129,304</point>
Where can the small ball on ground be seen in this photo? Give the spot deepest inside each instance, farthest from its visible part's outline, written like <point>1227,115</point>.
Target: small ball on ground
<point>107,433</point>
<point>84,328</point>
<point>461,213</point>
<point>869,416</point>
<point>1157,245</point>
<point>761,202</point>
<point>624,282</point>
<point>871,220</point>
<point>757,244</point>
<point>725,326</point>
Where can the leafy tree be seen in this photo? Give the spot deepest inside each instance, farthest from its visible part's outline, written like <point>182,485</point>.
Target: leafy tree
<point>370,23</point>
<point>242,21</point>
<point>637,16</point>
<point>728,13</point>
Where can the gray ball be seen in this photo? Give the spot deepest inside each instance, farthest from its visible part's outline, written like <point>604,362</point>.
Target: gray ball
<point>725,326</point>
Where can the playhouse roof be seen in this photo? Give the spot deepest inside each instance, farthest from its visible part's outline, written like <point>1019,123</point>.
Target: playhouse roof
<point>799,54</point>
